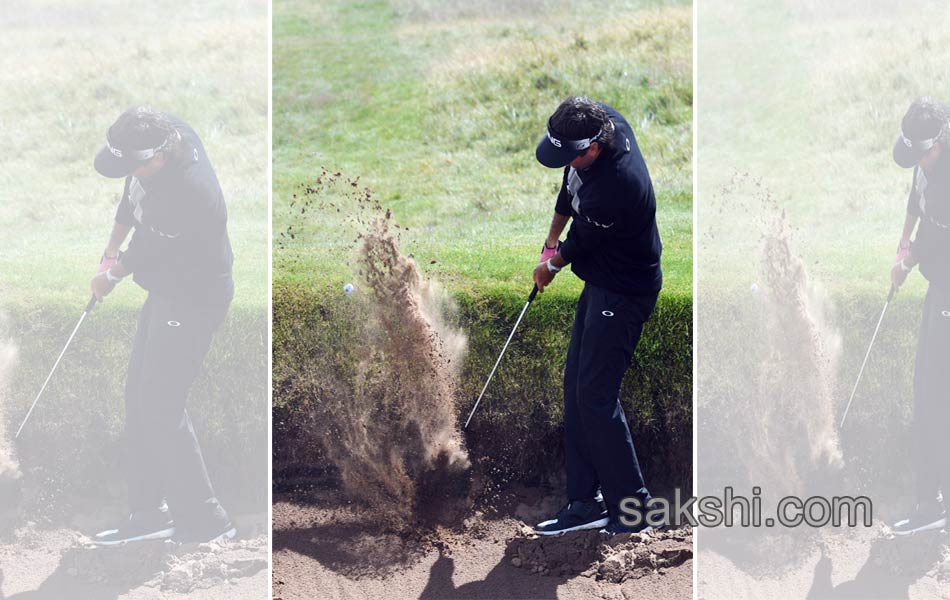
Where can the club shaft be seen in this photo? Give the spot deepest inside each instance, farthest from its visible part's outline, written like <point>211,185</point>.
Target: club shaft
<point>497,362</point>
<point>865,362</point>
<point>53,370</point>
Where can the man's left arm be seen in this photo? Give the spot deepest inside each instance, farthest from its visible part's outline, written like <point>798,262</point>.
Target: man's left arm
<point>930,245</point>
<point>544,273</point>
<point>902,269</point>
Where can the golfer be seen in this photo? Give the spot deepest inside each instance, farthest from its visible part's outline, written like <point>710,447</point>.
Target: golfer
<point>180,253</point>
<point>923,145</point>
<point>614,246</point>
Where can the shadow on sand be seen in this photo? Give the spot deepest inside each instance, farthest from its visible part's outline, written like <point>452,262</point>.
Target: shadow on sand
<point>351,549</point>
<point>893,565</point>
<point>94,574</point>
<point>503,582</point>
<point>357,551</point>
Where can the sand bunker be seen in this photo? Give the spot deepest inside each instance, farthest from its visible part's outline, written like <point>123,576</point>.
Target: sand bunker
<point>942,572</point>
<point>900,556</point>
<point>591,554</point>
<point>859,563</point>
<point>169,568</point>
<point>46,563</point>
<point>324,550</point>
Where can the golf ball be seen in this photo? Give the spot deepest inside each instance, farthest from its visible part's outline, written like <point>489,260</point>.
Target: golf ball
<point>755,288</point>
<point>348,289</point>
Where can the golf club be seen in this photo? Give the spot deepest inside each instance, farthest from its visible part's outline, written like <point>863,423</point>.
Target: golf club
<point>92,303</point>
<point>890,296</point>
<point>534,292</point>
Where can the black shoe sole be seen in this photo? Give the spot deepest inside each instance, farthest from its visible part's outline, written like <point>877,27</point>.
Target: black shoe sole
<point>934,526</point>
<point>598,524</point>
<point>646,529</point>
<point>162,534</point>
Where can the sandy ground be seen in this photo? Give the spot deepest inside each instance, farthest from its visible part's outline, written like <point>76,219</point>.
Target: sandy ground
<point>38,563</point>
<point>329,550</point>
<point>861,563</point>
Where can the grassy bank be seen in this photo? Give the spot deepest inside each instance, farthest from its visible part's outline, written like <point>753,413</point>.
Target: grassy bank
<point>517,434</point>
<point>72,450</point>
<point>876,441</point>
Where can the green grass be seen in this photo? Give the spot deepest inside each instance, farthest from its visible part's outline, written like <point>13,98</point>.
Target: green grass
<point>67,71</point>
<point>516,435</point>
<point>72,450</point>
<point>809,98</point>
<point>437,108</point>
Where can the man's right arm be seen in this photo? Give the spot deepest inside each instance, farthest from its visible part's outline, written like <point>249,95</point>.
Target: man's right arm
<point>558,223</point>
<point>562,214</point>
<point>910,222</point>
<point>121,227</point>
<point>903,246</point>
<point>120,231</point>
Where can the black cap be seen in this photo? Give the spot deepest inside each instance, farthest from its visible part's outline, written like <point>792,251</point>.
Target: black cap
<point>130,142</point>
<point>555,151</point>
<point>919,131</point>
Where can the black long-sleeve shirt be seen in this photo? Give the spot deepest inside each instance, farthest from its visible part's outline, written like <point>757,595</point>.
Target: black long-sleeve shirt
<point>930,200</point>
<point>180,247</point>
<point>613,241</point>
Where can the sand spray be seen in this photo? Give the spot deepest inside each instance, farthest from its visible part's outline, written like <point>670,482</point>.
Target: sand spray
<point>391,429</point>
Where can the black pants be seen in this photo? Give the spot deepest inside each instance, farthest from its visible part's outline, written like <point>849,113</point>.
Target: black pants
<point>598,446</point>
<point>164,458</point>
<point>932,398</point>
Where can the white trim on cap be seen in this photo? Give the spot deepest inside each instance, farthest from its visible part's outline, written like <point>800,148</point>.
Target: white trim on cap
<point>140,154</point>
<point>136,154</point>
<point>919,144</point>
<point>583,144</point>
